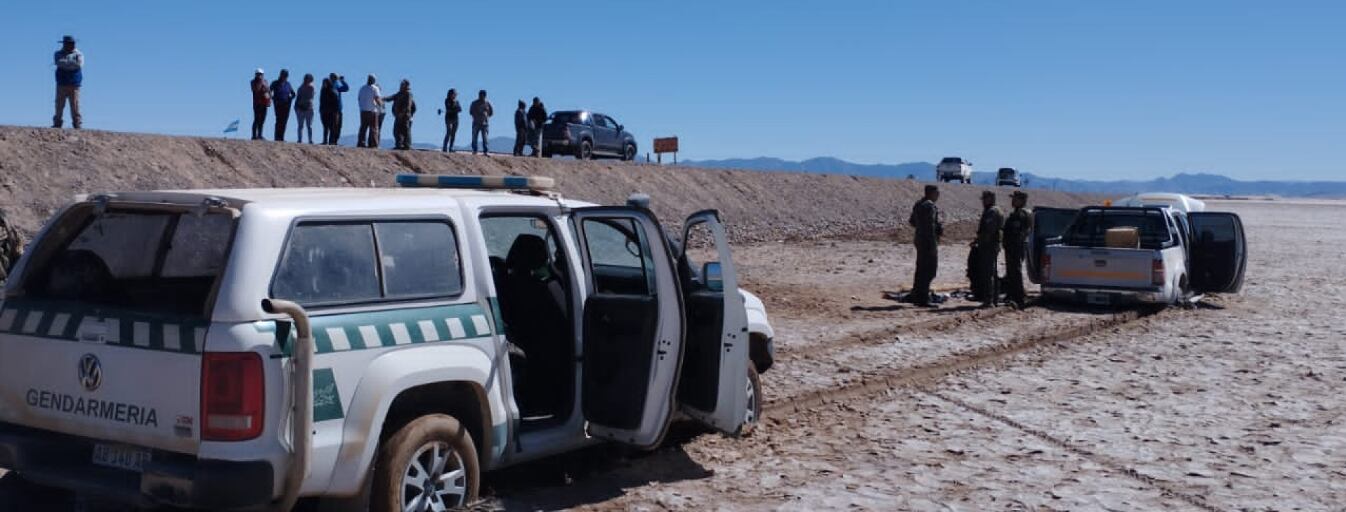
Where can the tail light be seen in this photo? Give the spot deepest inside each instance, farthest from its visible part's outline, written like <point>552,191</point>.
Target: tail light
<point>233,396</point>
<point>1046,267</point>
<point>1157,273</point>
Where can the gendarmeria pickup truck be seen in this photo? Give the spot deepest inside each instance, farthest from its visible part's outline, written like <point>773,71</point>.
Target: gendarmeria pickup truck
<point>365,348</point>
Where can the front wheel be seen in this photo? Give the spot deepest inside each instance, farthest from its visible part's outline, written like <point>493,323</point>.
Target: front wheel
<point>586,150</point>
<point>752,414</point>
<point>429,464</point>
<point>629,153</point>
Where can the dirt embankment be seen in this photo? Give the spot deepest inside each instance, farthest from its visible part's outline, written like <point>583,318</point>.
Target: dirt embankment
<point>43,168</point>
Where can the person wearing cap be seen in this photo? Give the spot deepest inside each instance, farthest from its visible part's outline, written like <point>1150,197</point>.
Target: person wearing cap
<point>520,128</point>
<point>282,96</point>
<point>371,104</point>
<point>925,219</point>
<point>303,109</point>
<point>987,249</point>
<point>451,110</point>
<point>404,106</point>
<point>261,100</point>
<point>69,78</point>
<point>481,112</point>
<point>1015,240</point>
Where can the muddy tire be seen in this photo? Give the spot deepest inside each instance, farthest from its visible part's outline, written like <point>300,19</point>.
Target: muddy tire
<point>629,152</point>
<point>585,151</point>
<point>432,459</point>
<point>753,415</point>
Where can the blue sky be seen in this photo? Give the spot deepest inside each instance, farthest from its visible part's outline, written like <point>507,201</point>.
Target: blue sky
<point>1096,90</point>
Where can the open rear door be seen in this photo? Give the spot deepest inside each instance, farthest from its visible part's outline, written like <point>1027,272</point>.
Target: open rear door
<point>1048,223</point>
<point>1219,252</point>
<point>633,325</point>
<point>714,382</point>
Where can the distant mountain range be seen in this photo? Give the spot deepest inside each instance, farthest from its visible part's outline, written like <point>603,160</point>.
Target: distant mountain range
<point>1185,183</point>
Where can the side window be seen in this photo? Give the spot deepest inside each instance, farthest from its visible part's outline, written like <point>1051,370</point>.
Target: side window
<point>328,263</point>
<point>619,256</point>
<point>601,121</point>
<point>420,259</point>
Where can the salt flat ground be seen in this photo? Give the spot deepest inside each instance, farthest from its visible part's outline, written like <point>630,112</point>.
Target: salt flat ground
<point>1234,405</point>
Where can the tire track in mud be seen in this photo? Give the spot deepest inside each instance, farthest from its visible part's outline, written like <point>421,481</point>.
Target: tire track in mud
<point>1102,460</point>
<point>886,334</point>
<point>930,372</point>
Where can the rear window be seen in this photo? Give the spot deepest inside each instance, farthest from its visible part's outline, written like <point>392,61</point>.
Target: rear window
<point>149,261</point>
<point>355,262</point>
<point>569,117</point>
<point>1090,228</point>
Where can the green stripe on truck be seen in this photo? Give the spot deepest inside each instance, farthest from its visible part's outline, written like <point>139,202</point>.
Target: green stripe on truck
<point>66,321</point>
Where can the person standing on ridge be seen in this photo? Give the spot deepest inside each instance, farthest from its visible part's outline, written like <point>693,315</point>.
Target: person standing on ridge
<point>371,103</point>
<point>451,110</point>
<point>1017,226</point>
<point>481,111</point>
<point>404,106</point>
<point>520,128</point>
<point>537,116</point>
<point>261,100</point>
<point>925,219</point>
<point>987,246</point>
<point>69,78</point>
<point>303,109</point>
<point>282,95</point>
<point>329,107</point>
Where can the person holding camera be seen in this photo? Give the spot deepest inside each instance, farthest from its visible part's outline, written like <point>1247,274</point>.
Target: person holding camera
<point>69,78</point>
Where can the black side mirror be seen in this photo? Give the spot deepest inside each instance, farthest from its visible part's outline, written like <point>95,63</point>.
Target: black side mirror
<point>620,127</point>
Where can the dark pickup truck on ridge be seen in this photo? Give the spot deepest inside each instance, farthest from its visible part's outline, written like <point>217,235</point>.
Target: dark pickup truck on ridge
<point>586,135</point>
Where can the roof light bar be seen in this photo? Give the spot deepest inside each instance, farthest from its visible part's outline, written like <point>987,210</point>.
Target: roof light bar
<point>534,183</point>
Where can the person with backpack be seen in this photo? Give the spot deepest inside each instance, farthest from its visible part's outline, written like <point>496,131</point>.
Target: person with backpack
<point>261,100</point>
<point>69,78</point>
<point>282,96</point>
<point>303,109</point>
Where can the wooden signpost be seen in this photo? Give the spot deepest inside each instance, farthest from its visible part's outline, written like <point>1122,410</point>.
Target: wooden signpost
<point>666,145</point>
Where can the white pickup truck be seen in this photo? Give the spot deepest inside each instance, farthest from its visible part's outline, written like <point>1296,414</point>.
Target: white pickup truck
<point>369,349</point>
<point>1176,256</point>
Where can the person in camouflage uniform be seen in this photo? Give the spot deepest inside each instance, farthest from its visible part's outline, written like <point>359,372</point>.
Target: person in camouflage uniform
<point>987,246</point>
<point>1015,240</point>
<point>925,218</point>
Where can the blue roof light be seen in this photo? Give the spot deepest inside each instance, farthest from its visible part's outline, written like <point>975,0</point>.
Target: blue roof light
<point>533,183</point>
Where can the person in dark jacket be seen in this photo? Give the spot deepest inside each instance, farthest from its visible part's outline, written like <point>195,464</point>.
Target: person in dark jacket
<point>69,78</point>
<point>261,100</point>
<point>987,248</point>
<point>451,110</point>
<point>303,109</point>
<point>329,107</point>
<point>481,112</point>
<point>520,128</point>
<point>1015,240</point>
<point>537,117</point>
<point>282,96</point>
<point>925,219</point>
<point>404,106</point>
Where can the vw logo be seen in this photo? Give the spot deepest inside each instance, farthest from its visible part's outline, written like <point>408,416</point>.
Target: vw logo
<point>90,372</point>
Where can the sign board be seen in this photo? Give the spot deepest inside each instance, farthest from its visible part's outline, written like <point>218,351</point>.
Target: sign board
<point>666,145</point>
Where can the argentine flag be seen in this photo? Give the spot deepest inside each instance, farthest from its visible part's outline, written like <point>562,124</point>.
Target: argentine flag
<point>233,127</point>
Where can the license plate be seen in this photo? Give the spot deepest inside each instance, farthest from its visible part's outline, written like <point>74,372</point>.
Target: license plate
<point>120,457</point>
<point>1098,298</point>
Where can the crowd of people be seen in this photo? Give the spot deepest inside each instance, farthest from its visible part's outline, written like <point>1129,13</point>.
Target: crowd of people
<point>994,232</point>
<point>281,98</point>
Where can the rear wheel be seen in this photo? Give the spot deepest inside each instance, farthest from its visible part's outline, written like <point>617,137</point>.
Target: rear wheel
<point>428,465</point>
<point>586,150</point>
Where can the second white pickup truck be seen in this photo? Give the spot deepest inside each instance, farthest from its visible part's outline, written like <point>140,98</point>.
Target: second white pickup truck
<point>1171,256</point>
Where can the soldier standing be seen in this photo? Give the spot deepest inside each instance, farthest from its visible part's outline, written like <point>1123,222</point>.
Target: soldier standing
<point>925,218</point>
<point>987,246</point>
<point>1017,226</point>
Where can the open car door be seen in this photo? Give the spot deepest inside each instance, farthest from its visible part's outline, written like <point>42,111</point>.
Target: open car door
<point>1219,252</point>
<point>1048,223</point>
<point>714,383</point>
<point>633,325</point>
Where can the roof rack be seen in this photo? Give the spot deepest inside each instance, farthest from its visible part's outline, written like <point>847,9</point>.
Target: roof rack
<point>529,183</point>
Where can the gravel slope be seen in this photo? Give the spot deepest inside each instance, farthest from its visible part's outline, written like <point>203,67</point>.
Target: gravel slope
<point>42,168</point>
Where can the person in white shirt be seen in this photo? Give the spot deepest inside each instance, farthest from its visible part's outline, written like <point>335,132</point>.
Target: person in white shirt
<point>371,109</point>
